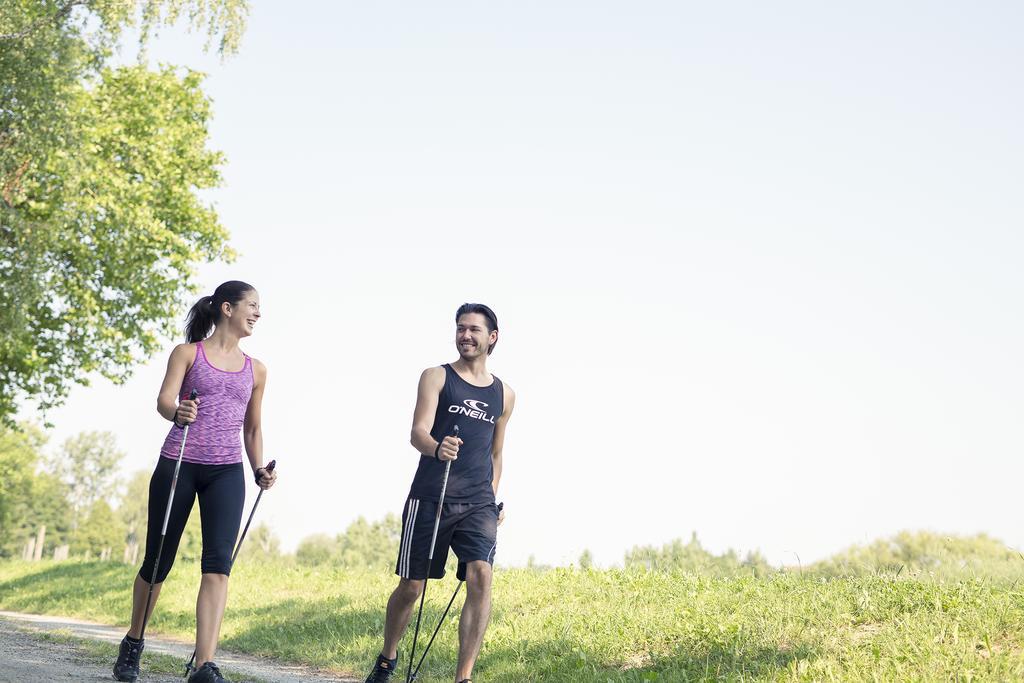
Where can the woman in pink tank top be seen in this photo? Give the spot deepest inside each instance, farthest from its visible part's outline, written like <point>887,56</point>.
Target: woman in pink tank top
<point>224,417</point>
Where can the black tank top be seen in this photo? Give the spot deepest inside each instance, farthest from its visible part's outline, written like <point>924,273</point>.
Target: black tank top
<point>475,410</point>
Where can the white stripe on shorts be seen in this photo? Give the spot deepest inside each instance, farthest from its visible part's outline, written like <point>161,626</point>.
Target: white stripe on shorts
<point>405,553</point>
<point>405,538</point>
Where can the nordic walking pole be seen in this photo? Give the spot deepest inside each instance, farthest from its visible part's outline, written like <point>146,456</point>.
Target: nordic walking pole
<point>440,622</point>
<point>238,546</point>
<point>269,468</point>
<point>430,561</point>
<point>167,517</point>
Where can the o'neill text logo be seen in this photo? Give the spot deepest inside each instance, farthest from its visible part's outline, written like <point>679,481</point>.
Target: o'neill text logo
<point>474,409</point>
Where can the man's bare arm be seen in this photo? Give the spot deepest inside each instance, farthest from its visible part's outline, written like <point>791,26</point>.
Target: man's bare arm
<point>499,435</point>
<point>427,394</point>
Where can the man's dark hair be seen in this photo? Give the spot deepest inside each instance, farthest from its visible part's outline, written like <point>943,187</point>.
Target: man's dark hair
<point>486,312</point>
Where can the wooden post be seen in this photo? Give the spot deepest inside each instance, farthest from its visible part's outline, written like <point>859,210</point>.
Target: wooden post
<point>30,548</point>
<point>40,539</point>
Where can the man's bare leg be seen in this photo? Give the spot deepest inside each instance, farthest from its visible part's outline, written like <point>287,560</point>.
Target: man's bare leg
<point>476,613</point>
<point>400,606</point>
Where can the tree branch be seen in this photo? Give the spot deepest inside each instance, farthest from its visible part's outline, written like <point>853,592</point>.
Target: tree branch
<point>13,183</point>
<point>62,12</point>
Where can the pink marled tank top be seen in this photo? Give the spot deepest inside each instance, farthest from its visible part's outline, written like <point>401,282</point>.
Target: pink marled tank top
<point>215,437</point>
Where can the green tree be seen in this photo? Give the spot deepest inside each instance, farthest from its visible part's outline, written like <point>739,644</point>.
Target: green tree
<point>586,559</point>
<point>19,453</point>
<point>945,556</point>
<point>134,508</point>
<point>29,498</point>
<point>362,544</point>
<point>365,544</point>
<point>101,223</point>
<point>100,529</point>
<point>316,549</point>
<point>261,543</point>
<point>693,557</point>
<point>88,466</point>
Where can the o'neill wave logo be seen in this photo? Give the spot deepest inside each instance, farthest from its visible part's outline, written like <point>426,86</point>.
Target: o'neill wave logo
<point>472,408</point>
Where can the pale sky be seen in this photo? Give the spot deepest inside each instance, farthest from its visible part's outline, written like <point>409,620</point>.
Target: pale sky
<point>757,266</point>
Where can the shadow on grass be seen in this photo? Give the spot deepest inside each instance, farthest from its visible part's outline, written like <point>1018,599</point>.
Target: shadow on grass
<point>554,659</point>
<point>336,634</point>
<point>349,638</point>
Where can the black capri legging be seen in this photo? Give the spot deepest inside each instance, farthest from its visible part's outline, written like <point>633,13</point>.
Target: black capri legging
<point>221,490</point>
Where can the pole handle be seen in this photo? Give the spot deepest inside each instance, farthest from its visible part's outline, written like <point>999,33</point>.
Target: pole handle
<point>191,397</point>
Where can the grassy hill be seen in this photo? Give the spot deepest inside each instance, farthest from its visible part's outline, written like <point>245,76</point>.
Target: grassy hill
<point>591,625</point>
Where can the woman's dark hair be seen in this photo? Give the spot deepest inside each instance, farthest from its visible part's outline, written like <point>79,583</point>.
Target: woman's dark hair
<point>486,312</point>
<point>206,312</point>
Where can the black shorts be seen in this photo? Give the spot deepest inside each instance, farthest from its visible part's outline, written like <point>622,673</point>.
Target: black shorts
<point>470,529</point>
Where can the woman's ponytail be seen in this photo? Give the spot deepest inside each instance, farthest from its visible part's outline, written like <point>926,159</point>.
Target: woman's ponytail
<point>200,320</point>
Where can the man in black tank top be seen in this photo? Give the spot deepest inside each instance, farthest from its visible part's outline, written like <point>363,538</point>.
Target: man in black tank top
<point>462,393</point>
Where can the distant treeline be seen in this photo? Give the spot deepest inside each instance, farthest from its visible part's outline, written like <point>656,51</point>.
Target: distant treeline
<point>916,553</point>
<point>920,553</point>
<point>72,504</point>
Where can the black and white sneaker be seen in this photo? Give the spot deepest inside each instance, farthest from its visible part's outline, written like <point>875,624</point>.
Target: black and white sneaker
<point>382,670</point>
<point>207,673</point>
<point>126,668</point>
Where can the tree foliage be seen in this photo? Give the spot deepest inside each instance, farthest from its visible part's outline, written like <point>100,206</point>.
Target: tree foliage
<point>100,529</point>
<point>101,218</point>
<point>925,552</point>
<point>315,550</point>
<point>693,557</point>
<point>88,466</point>
<point>29,498</point>
<point>261,543</point>
<point>223,20</point>
<point>362,544</point>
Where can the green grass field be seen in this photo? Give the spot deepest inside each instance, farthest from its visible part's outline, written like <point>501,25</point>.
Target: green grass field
<point>601,625</point>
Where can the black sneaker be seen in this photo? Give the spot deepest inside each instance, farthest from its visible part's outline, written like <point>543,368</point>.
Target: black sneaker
<point>126,668</point>
<point>207,673</point>
<point>382,670</point>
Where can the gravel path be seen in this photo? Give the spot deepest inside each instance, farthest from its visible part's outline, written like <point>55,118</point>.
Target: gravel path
<point>29,658</point>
